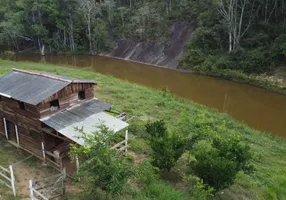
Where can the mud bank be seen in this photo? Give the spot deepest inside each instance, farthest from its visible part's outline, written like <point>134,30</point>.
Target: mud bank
<point>154,53</point>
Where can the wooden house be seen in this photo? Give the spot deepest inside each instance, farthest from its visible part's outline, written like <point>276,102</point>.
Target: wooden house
<point>39,112</point>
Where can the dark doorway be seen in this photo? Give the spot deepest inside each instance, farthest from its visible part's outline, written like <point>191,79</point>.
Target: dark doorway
<point>81,95</point>
<point>11,131</point>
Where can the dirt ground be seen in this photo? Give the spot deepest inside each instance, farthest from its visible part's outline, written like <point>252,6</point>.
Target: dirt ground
<point>26,171</point>
<point>32,168</point>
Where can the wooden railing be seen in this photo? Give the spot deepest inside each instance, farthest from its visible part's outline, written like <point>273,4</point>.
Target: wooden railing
<point>48,188</point>
<point>8,178</point>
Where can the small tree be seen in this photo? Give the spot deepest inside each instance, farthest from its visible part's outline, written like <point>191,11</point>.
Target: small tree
<point>218,164</point>
<point>198,190</point>
<point>167,148</point>
<point>100,166</point>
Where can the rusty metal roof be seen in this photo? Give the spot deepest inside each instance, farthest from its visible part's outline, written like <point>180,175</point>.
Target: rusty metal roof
<point>34,87</point>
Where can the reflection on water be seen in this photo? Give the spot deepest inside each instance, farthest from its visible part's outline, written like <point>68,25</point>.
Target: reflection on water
<point>257,107</point>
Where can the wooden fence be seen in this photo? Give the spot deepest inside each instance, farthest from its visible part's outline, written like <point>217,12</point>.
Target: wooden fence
<point>123,145</point>
<point>48,188</point>
<point>8,178</point>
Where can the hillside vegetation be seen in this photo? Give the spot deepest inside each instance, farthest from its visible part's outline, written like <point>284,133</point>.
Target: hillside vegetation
<point>232,36</point>
<point>86,25</point>
<point>267,181</point>
<point>237,36</point>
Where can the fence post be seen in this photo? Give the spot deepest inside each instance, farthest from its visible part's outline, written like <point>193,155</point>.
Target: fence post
<point>64,178</point>
<point>64,173</point>
<point>126,140</point>
<point>17,135</point>
<point>43,151</point>
<point>77,163</point>
<point>12,180</point>
<point>5,126</point>
<point>31,189</point>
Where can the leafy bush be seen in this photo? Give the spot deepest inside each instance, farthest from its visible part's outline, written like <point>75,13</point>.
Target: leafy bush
<point>8,55</point>
<point>198,190</point>
<point>256,60</point>
<point>279,46</point>
<point>167,148</point>
<point>100,166</point>
<point>219,162</point>
<point>146,174</point>
<point>137,128</point>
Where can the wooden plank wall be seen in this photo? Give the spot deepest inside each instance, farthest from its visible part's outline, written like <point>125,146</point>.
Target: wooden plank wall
<point>67,97</point>
<point>25,120</point>
<point>2,130</point>
<point>29,118</point>
<point>70,89</point>
<point>89,93</point>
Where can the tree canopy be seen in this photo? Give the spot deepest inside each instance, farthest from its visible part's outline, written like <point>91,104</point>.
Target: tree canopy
<point>244,35</point>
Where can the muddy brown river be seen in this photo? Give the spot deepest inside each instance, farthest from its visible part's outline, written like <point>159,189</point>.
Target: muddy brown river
<point>259,108</point>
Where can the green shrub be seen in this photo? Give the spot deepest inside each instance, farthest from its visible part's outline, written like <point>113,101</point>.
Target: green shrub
<point>146,174</point>
<point>137,128</point>
<point>8,55</point>
<point>218,163</point>
<point>198,190</point>
<point>279,46</point>
<point>101,167</point>
<point>167,148</point>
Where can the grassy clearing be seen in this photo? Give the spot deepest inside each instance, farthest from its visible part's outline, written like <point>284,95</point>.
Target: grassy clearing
<point>267,182</point>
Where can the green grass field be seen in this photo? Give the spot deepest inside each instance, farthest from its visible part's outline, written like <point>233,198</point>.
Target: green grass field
<point>267,182</point>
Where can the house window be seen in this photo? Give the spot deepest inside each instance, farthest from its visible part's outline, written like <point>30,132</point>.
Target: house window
<point>22,106</point>
<point>54,105</point>
<point>81,95</point>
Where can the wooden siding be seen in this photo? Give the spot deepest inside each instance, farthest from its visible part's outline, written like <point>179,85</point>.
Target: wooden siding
<point>30,143</point>
<point>70,89</point>
<point>89,93</point>
<point>30,129</point>
<point>25,120</point>
<point>67,97</point>
<point>2,129</point>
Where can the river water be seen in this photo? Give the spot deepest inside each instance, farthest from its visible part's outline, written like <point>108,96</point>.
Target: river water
<point>259,108</point>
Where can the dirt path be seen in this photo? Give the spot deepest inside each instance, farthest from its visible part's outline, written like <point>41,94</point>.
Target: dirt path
<point>30,170</point>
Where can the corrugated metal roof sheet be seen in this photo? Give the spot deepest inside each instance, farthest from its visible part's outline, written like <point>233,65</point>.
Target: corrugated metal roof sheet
<point>33,87</point>
<point>91,124</point>
<point>87,115</point>
<point>75,114</point>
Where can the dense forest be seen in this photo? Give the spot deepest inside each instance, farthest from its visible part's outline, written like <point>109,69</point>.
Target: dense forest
<point>244,35</point>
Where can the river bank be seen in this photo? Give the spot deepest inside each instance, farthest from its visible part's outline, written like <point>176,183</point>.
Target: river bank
<point>267,182</point>
<point>274,83</point>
